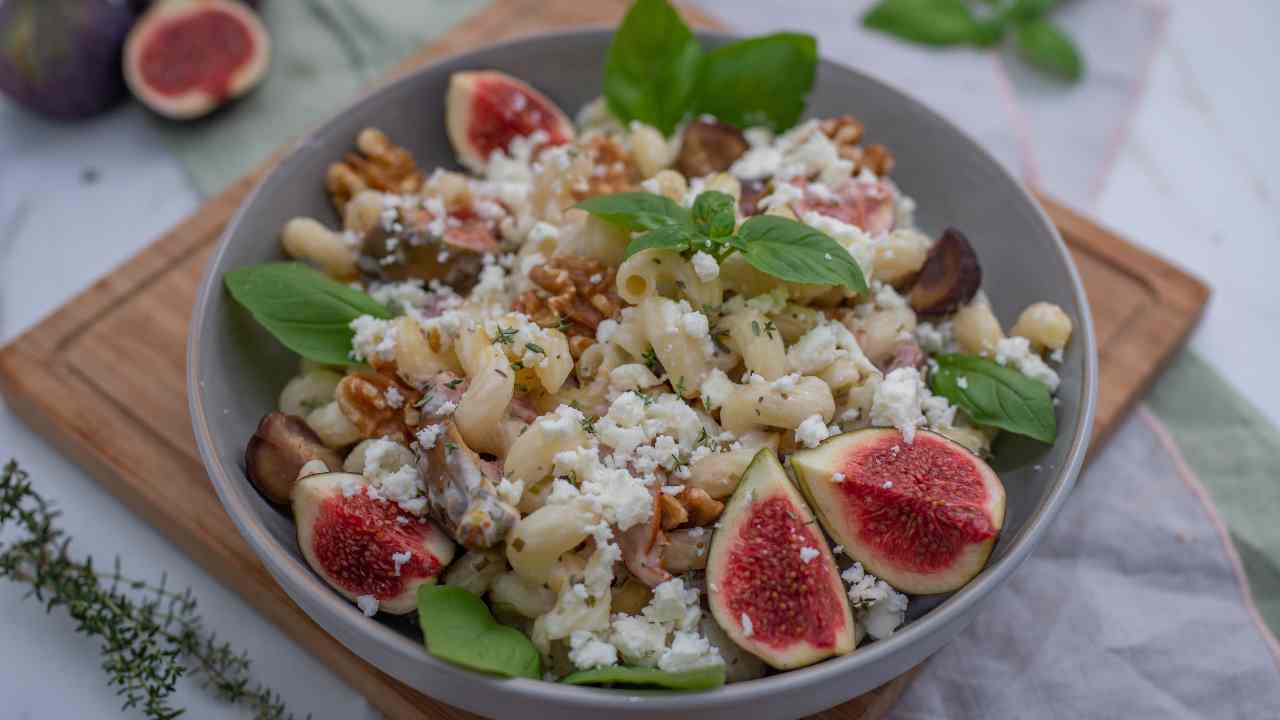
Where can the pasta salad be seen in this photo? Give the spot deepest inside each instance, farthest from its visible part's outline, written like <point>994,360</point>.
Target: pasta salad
<point>625,406</point>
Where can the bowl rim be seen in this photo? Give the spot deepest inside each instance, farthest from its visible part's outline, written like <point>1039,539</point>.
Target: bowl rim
<point>342,620</point>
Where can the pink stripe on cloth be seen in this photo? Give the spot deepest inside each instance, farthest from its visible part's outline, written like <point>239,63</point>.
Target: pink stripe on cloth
<point>1193,482</point>
<point>1021,125</point>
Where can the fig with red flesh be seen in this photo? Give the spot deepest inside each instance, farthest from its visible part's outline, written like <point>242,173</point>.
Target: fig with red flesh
<point>364,546</point>
<point>950,277</point>
<point>922,516</point>
<point>772,583</point>
<point>185,59</point>
<point>485,110</point>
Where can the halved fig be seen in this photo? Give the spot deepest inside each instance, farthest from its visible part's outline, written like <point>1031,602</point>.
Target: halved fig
<point>277,451</point>
<point>462,491</point>
<point>486,109</point>
<point>922,516</point>
<point>186,59</point>
<point>867,204</point>
<point>709,146</point>
<point>772,582</point>
<point>366,547</point>
<point>950,277</point>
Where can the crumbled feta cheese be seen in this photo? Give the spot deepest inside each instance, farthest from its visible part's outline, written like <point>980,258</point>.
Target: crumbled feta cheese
<point>962,382</point>
<point>394,398</point>
<point>837,549</point>
<point>586,651</point>
<point>716,388</point>
<point>807,554</point>
<point>877,606</point>
<point>638,641</point>
<point>673,603</point>
<point>632,376</point>
<point>695,324</point>
<point>614,493</point>
<point>837,477</point>
<point>428,435</point>
<point>705,267</point>
<point>368,605</point>
<point>399,559</point>
<point>747,629</point>
<point>1016,351</point>
<point>934,339</point>
<point>897,400</point>
<point>374,338</point>
<point>757,163</point>
<point>812,431</point>
<point>689,651</point>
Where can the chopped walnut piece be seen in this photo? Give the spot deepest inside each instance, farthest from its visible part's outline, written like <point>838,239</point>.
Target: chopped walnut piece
<point>379,164</point>
<point>573,294</point>
<point>846,133</point>
<point>612,169</point>
<point>377,404</point>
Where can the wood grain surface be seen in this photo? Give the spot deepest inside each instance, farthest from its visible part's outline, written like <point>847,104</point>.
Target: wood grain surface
<point>104,376</point>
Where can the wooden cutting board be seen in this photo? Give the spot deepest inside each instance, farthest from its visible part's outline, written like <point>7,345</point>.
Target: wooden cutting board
<point>104,376</point>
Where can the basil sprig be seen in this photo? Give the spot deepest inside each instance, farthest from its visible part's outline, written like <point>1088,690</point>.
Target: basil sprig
<point>656,72</point>
<point>995,395</point>
<point>700,679</point>
<point>458,628</point>
<point>941,23</point>
<point>773,245</point>
<point>305,310</point>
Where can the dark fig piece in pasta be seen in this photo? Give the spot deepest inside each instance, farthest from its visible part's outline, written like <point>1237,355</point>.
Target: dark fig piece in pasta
<point>462,492</point>
<point>278,450</point>
<point>950,276</point>
<point>709,146</point>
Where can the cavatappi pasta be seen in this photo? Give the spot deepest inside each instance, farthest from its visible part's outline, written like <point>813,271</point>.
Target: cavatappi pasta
<point>577,418</point>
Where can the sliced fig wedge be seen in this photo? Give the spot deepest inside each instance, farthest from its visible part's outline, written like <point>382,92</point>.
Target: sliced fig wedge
<point>462,491</point>
<point>185,59</point>
<point>277,451</point>
<point>366,547</point>
<point>922,516</point>
<point>485,110</point>
<point>772,582</point>
<point>950,277</point>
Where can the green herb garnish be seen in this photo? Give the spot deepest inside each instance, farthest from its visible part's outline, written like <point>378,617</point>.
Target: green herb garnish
<point>657,73</point>
<point>457,627</point>
<point>943,23</point>
<point>995,395</point>
<point>774,245</point>
<point>304,309</point>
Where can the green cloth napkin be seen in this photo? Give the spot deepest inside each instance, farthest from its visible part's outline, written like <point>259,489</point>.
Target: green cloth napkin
<point>323,53</point>
<point>1235,451</point>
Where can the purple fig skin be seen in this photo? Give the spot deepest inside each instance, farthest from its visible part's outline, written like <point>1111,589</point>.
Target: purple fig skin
<point>61,58</point>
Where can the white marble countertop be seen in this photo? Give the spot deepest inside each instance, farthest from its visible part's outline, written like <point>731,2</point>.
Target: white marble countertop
<point>1194,181</point>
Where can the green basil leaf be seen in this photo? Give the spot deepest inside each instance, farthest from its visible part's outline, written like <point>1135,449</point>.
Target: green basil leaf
<point>715,214</point>
<point>458,628</point>
<point>652,66</point>
<point>669,237</point>
<point>996,395</point>
<point>700,679</point>
<point>637,210</point>
<point>1048,48</point>
<point>758,81</point>
<point>930,22</point>
<point>1023,10</point>
<point>797,253</point>
<point>305,310</point>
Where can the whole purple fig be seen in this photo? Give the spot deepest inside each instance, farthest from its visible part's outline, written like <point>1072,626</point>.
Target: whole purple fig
<point>61,58</point>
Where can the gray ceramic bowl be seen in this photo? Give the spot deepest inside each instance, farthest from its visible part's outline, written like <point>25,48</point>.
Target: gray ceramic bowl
<point>235,371</point>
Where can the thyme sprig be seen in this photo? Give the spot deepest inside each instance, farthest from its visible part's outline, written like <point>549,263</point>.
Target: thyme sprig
<point>150,636</point>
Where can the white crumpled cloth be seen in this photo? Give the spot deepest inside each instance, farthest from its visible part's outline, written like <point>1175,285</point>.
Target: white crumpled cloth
<point>1134,605</point>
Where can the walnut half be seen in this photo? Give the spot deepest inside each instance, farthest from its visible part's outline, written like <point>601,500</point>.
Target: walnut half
<point>846,133</point>
<point>379,165</point>
<point>574,294</point>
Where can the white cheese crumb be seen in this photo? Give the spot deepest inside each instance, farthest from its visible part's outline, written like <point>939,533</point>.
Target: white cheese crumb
<point>428,435</point>
<point>586,651</point>
<point>747,629</point>
<point>807,554</point>
<point>400,558</point>
<point>510,492</point>
<point>837,477</point>
<point>368,605</point>
<point>962,382</point>
<point>705,267</point>
<point>877,606</point>
<point>1016,351</point>
<point>896,402</point>
<point>812,431</point>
